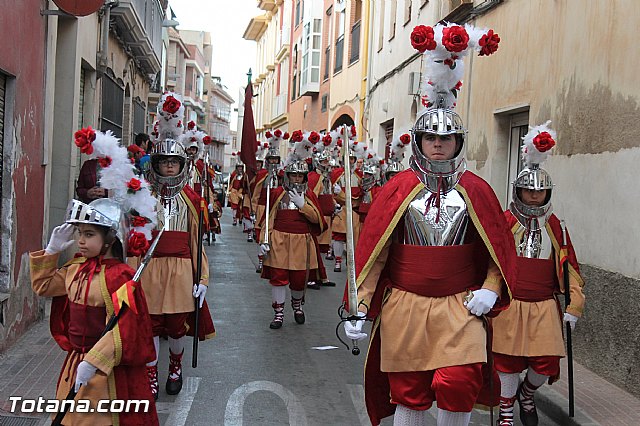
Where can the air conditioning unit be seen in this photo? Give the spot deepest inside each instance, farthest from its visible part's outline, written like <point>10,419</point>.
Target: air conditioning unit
<point>414,83</point>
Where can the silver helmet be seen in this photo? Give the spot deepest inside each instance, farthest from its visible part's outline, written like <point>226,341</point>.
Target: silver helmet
<point>392,167</point>
<point>321,161</point>
<point>101,212</point>
<point>369,178</point>
<point>438,121</point>
<point>299,166</point>
<point>533,178</point>
<point>168,187</point>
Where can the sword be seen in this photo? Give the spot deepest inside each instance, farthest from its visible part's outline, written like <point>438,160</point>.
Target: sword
<point>567,301</point>
<point>352,295</point>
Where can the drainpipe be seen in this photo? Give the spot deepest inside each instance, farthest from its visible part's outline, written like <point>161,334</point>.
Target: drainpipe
<point>366,65</point>
<point>102,58</point>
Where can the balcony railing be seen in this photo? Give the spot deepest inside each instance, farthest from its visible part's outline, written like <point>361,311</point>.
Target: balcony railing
<point>139,24</point>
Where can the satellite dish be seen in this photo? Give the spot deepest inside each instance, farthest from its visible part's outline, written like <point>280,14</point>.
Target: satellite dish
<point>79,7</point>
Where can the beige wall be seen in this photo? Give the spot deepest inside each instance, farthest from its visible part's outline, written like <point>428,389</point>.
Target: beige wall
<point>578,70</point>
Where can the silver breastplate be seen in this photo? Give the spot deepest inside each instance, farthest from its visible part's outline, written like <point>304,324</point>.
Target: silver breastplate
<point>366,198</point>
<point>424,227</point>
<point>286,204</point>
<point>326,185</point>
<point>175,213</point>
<point>533,241</point>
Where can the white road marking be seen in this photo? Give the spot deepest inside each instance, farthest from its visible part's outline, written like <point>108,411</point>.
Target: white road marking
<point>357,397</point>
<point>180,408</point>
<point>324,348</point>
<point>233,412</point>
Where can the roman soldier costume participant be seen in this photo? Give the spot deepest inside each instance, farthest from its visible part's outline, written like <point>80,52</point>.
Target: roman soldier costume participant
<point>101,363</point>
<point>338,227</point>
<point>320,184</point>
<point>294,219</point>
<point>528,335</point>
<point>272,166</point>
<point>433,263</point>
<point>369,184</point>
<point>236,188</point>
<point>252,190</point>
<point>394,165</point>
<point>170,278</point>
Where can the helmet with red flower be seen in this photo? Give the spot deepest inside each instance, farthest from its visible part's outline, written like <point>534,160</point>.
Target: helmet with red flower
<point>193,141</point>
<point>535,149</point>
<point>129,214</point>
<point>322,152</point>
<point>444,47</point>
<point>370,170</point>
<point>170,170</point>
<point>397,149</point>
<point>298,162</point>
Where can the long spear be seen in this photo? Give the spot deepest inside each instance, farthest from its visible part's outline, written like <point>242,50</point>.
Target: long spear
<point>567,302</point>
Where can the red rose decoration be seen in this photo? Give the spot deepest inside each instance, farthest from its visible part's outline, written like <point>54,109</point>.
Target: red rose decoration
<point>137,244</point>
<point>286,135</point>
<point>266,145</point>
<point>239,152</point>
<point>171,105</point>
<point>268,134</point>
<point>458,85</point>
<point>277,133</point>
<point>191,125</point>
<point>489,43</point>
<point>425,102</point>
<point>207,140</point>
<point>309,160</point>
<point>84,138</point>
<point>314,137</point>
<point>179,123</point>
<point>104,162</point>
<point>137,221</point>
<point>455,38</point>
<point>353,131</point>
<point>326,139</point>
<point>339,143</point>
<point>405,139</point>
<point>422,38</point>
<point>369,156</point>
<point>296,136</point>
<point>381,162</point>
<point>544,142</point>
<point>134,184</point>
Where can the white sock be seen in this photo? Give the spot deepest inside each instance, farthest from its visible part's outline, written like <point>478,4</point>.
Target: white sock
<point>278,293</point>
<point>405,416</point>
<point>176,346</point>
<point>156,344</point>
<point>536,379</point>
<point>248,225</point>
<point>297,294</point>
<point>338,248</point>
<point>450,418</point>
<point>508,384</point>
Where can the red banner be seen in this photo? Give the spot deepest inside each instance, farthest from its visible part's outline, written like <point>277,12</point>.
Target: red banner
<point>248,144</point>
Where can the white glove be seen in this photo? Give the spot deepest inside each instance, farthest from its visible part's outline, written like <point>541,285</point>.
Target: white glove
<point>571,319</point>
<point>61,238</point>
<point>297,199</point>
<point>199,290</point>
<point>263,249</point>
<point>354,332</point>
<point>210,208</point>
<point>337,189</point>
<point>84,373</point>
<point>482,301</point>
<point>337,209</point>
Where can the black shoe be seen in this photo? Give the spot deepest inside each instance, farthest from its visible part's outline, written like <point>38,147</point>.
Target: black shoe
<point>258,270</point>
<point>314,286</point>
<point>328,284</point>
<point>275,325</point>
<point>250,239</point>
<point>174,387</point>
<point>299,317</point>
<point>528,418</point>
<point>329,256</point>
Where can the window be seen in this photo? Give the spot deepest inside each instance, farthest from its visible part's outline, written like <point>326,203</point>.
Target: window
<point>392,22</point>
<point>325,102</point>
<point>519,125</point>
<point>381,29</point>
<point>139,115</point>
<point>112,105</point>
<point>407,11</point>
<point>340,25</point>
<point>311,43</point>
<point>297,21</point>
<point>355,43</point>
<point>327,61</point>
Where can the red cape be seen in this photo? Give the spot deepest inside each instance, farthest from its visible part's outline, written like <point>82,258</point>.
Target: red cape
<point>386,211</point>
<point>136,340</point>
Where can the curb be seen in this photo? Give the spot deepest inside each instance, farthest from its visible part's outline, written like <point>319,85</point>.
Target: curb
<point>556,407</point>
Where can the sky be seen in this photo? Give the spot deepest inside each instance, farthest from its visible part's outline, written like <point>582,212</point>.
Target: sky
<point>226,21</point>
